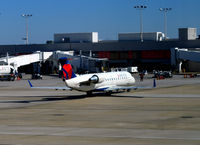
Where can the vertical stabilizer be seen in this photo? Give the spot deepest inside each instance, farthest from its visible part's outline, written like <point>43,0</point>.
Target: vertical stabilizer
<point>68,72</point>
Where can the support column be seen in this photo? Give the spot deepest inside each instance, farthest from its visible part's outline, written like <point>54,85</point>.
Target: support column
<point>180,66</point>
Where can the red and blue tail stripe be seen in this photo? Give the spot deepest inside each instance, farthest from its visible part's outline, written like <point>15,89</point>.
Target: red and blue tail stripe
<point>68,72</point>
<point>67,69</point>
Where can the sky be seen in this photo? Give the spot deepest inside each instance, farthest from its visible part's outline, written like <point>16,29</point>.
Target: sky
<point>107,17</point>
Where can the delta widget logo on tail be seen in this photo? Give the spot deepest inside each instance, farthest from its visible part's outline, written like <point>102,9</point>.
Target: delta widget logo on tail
<point>67,68</point>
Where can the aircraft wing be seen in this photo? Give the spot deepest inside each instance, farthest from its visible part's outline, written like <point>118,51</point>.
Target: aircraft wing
<point>125,88</point>
<point>112,88</point>
<point>50,88</point>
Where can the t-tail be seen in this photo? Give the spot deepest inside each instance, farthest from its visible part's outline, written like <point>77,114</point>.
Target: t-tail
<point>68,72</point>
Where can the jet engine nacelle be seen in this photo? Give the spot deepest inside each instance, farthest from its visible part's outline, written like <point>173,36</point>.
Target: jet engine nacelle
<point>95,79</point>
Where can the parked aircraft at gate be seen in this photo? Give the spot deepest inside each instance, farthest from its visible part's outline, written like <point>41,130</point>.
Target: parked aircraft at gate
<point>109,82</point>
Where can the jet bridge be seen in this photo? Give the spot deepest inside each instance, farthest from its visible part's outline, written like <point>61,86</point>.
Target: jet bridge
<point>178,56</point>
<point>189,55</point>
<point>23,60</point>
<point>81,63</point>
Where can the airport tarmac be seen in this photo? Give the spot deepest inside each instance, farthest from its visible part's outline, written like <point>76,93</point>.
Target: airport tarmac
<point>167,115</point>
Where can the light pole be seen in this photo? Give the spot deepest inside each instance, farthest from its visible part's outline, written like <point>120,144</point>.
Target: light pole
<point>26,16</point>
<point>141,8</point>
<point>165,10</point>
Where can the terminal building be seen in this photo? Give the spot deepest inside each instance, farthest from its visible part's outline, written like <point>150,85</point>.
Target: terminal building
<point>155,52</point>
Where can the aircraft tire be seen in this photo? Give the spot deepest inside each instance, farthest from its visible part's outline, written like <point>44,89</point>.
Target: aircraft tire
<point>12,78</point>
<point>89,93</point>
<point>109,93</point>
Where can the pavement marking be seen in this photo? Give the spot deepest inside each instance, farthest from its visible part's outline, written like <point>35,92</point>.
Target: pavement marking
<point>101,132</point>
<point>159,95</point>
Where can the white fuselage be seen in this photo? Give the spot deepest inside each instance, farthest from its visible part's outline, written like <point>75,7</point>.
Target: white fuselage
<point>105,80</point>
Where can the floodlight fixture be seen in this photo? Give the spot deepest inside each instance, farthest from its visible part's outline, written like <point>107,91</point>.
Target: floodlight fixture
<point>141,8</point>
<point>26,16</point>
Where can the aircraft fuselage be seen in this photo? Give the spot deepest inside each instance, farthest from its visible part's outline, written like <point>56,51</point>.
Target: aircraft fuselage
<point>100,81</point>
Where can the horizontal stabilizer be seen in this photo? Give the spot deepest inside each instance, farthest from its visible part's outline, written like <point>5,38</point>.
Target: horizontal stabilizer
<point>50,88</point>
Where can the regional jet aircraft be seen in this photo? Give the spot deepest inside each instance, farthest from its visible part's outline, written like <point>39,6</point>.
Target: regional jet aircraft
<point>109,82</point>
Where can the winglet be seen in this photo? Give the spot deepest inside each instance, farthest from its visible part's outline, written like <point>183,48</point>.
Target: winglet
<point>154,83</point>
<point>30,84</point>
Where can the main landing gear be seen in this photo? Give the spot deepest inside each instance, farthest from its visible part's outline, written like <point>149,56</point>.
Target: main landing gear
<point>90,93</point>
